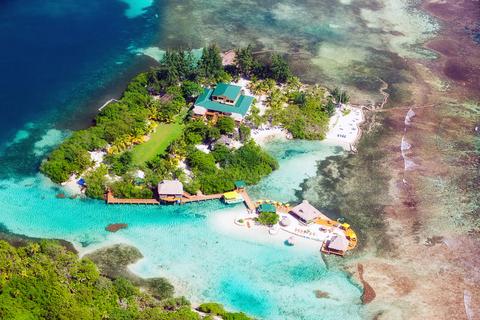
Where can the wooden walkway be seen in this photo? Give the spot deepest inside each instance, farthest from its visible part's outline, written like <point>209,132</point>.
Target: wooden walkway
<point>187,198</point>
<point>112,200</point>
<point>246,198</point>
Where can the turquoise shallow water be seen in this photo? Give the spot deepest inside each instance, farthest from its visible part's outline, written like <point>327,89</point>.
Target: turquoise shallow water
<point>265,279</point>
<point>299,161</point>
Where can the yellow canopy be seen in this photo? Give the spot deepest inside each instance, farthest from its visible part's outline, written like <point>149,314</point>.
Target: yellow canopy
<point>230,195</point>
<point>345,225</point>
<point>351,233</point>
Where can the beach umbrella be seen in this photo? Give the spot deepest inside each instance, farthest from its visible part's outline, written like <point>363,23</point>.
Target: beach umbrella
<point>291,241</point>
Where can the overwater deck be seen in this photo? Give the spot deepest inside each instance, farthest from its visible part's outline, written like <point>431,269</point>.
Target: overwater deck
<point>110,199</point>
<point>248,201</point>
<point>187,198</point>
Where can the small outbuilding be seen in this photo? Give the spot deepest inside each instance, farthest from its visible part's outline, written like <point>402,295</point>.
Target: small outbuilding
<point>240,185</point>
<point>170,191</point>
<point>305,212</point>
<point>338,245</point>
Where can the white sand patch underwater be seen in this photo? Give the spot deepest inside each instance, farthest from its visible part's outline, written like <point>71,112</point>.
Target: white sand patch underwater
<point>50,139</point>
<point>157,54</point>
<point>136,7</point>
<point>20,136</point>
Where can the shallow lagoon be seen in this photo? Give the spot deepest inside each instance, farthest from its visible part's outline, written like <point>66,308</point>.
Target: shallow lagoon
<point>265,279</point>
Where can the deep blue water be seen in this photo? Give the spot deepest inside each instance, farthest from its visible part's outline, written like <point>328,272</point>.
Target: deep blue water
<point>58,55</point>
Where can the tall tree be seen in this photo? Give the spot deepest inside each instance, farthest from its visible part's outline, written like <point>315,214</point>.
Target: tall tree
<point>177,65</point>
<point>279,68</point>
<point>210,65</point>
<point>245,61</point>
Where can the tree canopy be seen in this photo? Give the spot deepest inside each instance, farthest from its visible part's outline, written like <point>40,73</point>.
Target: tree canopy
<point>160,98</point>
<point>279,69</point>
<point>210,65</point>
<point>45,281</point>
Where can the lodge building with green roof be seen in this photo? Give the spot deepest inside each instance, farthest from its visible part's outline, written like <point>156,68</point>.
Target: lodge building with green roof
<point>224,99</point>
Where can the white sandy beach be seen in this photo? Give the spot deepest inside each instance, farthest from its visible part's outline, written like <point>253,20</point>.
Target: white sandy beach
<point>266,134</point>
<point>344,126</point>
<point>344,129</point>
<point>224,222</point>
<point>71,186</point>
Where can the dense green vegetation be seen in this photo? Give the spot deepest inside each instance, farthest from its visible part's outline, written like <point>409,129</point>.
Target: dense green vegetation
<point>154,107</point>
<point>248,163</point>
<point>120,125</point>
<point>274,67</point>
<point>216,309</point>
<point>213,172</point>
<point>304,112</point>
<point>45,281</point>
<point>268,218</point>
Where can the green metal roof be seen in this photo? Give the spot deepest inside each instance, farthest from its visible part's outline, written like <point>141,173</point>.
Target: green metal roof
<point>227,90</point>
<point>267,207</point>
<point>241,106</point>
<point>204,96</point>
<point>240,184</point>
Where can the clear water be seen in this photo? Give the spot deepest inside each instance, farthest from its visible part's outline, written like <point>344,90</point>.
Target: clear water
<point>299,161</point>
<point>264,279</point>
<point>59,61</point>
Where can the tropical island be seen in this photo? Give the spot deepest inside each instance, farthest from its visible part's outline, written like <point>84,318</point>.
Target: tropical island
<point>191,120</point>
<point>191,130</point>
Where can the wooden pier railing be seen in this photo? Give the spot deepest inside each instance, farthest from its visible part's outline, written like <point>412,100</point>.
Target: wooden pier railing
<point>112,200</point>
<point>196,198</point>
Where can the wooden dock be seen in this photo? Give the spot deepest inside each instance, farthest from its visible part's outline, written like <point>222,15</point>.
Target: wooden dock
<point>246,198</point>
<point>112,200</point>
<point>187,198</point>
<point>107,103</point>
